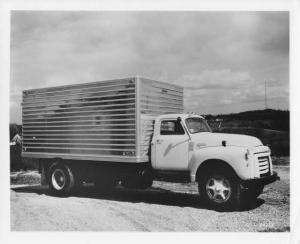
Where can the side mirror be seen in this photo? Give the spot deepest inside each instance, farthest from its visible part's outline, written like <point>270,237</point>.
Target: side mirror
<point>178,119</point>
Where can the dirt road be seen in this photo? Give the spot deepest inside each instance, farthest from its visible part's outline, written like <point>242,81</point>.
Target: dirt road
<point>164,207</point>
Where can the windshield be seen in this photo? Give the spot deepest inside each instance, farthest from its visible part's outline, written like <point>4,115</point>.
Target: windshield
<point>196,125</point>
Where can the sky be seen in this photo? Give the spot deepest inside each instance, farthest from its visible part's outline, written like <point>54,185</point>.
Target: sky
<point>222,59</point>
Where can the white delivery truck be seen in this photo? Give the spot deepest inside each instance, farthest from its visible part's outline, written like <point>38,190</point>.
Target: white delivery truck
<point>132,131</point>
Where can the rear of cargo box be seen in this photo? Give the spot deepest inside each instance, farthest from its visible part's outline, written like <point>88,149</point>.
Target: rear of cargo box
<point>102,121</point>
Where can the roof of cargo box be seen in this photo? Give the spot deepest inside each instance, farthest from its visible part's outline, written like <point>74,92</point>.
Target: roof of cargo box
<point>109,80</point>
<point>182,115</point>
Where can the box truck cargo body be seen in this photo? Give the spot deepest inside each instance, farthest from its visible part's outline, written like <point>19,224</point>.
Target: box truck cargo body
<point>103,121</point>
<point>132,131</point>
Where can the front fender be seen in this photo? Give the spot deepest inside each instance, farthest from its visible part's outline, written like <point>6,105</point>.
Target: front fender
<point>232,155</point>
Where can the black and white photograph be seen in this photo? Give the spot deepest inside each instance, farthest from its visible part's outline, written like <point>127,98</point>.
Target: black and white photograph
<point>150,121</point>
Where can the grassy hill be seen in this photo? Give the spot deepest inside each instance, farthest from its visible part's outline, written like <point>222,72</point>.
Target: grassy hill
<point>270,126</point>
<point>266,119</point>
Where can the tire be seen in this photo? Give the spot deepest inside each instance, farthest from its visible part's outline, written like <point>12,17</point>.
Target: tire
<point>220,189</point>
<point>61,179</point>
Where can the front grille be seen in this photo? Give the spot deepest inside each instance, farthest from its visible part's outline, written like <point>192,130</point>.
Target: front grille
<point>264,166</point>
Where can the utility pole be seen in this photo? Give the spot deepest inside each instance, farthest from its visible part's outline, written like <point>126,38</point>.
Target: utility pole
<point>266,105</point>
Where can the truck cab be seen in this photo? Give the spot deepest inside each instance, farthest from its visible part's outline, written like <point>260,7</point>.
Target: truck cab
<point>224,165</point>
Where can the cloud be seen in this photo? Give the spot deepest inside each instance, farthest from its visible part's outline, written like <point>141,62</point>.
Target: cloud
<point>216,56</point>
<point>216,79</point>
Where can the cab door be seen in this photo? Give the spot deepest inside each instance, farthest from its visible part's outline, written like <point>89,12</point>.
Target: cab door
<point>171,146</point>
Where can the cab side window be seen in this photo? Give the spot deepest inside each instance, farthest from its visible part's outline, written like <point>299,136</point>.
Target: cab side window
<point>171,127</point>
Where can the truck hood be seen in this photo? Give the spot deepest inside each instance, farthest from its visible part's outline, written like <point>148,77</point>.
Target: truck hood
<point>208,139</point>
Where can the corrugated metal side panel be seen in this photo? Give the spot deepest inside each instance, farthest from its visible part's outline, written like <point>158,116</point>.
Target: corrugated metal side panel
<point>95,121</point>
<point>156,98</point>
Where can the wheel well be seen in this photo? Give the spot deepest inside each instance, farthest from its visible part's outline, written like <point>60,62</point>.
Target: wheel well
<point>214,164</point>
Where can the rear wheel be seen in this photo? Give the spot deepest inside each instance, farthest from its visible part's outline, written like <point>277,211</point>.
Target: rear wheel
<point>220,189</point>
<point>61,179</point>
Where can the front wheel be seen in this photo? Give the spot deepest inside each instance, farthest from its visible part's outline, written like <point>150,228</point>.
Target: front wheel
<point>220,189</point>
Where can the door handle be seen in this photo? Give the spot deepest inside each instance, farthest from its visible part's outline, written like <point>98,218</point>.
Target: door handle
<point>159,141</point>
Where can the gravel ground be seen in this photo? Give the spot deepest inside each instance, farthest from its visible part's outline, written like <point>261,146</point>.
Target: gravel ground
<point>164,207</point>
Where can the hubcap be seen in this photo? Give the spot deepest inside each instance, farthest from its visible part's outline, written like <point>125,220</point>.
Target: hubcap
<point>218,189</point>
<point>58,179</point>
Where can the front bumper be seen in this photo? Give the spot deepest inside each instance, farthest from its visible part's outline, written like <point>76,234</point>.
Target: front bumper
<point>261,181</point>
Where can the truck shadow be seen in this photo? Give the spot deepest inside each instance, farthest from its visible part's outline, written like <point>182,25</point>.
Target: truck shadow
<point>153,195</point>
